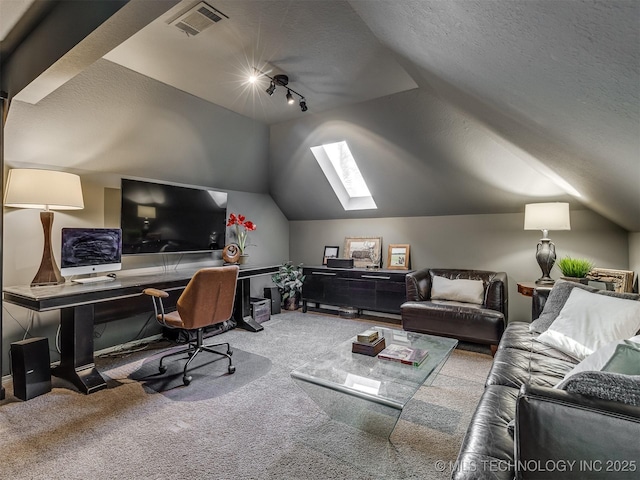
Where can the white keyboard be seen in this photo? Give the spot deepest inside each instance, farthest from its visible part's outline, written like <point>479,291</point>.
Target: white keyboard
<point>94,279</point>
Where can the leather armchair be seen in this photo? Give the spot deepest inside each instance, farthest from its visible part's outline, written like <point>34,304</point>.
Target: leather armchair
<point>465,321</point>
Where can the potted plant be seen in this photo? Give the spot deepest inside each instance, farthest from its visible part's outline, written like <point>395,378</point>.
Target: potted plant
<point>289,280</point>
<point>243,227</point>
<point>575,269</point>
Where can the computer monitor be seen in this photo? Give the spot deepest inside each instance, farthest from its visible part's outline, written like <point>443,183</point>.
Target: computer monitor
<point>90,250</point>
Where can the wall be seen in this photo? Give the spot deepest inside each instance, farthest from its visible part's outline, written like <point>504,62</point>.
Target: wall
<point>23,243</point>
<point>489,242</point>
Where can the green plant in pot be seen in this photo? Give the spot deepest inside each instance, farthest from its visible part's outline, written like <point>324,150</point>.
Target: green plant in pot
<point>575,269</point>
<point>289,280</point>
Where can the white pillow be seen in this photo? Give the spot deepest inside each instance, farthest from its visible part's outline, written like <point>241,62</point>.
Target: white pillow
<point>459,290</point>
<point>598,359</point>
<point>589,321</point>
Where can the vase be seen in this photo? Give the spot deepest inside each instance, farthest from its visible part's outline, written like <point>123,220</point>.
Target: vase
<point>244,258</point>
<point>582,280</point>
<point>291,303</point>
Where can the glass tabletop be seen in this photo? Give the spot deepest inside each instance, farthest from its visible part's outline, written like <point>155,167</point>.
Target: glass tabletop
<point>381,381</point>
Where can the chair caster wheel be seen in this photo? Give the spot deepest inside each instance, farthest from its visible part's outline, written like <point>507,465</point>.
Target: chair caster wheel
<point>187,379</point>
<point>162,369</point>
<point>232,369</point>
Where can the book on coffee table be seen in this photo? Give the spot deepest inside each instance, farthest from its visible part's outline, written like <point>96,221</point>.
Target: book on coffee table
<point>368,336</point>
<point>369,348</point>
<point>404,354</point>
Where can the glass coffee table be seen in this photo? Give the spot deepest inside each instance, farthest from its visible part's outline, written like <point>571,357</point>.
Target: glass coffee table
<point>366,392</point>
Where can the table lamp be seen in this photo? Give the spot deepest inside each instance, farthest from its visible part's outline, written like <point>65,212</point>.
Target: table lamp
<point>545,217</point>
<point>45,190</point>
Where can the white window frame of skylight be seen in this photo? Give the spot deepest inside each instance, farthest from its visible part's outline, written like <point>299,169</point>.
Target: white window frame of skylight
<point>353,194</point>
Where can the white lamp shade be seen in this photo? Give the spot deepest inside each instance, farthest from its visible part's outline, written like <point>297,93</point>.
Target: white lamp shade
<point>547,216</point>
<point>43,189</point>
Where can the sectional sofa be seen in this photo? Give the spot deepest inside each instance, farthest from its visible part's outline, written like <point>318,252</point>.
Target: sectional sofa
<point>546,414</point>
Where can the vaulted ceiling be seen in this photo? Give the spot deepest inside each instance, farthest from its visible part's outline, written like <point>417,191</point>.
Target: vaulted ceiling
<point>456,107</point>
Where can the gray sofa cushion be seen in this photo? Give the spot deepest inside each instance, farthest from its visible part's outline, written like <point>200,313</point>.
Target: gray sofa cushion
<point>558,297</point>
<point>605,385</point>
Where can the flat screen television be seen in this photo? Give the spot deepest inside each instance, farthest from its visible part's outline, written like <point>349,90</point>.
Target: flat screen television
<point>163,218</point>
<point>90,250</point>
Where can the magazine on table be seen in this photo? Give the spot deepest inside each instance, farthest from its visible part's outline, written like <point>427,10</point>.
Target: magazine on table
<point>404,354</point>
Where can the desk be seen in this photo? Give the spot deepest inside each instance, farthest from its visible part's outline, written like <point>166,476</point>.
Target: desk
<point>83,305</point>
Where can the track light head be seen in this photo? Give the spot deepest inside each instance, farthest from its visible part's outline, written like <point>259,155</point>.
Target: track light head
<point>271,89</point>
<point>280,80</point>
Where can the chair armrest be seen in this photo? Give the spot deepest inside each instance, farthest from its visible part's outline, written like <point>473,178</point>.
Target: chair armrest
<point>154,292</point>
<point>555,428</point>
<point>497,294</point>
<point>418,285</point>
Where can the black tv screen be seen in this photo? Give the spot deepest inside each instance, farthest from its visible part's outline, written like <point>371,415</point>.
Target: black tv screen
<point>162,218</point>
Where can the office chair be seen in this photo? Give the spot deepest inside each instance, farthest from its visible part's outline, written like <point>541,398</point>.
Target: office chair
<point>207,300</point>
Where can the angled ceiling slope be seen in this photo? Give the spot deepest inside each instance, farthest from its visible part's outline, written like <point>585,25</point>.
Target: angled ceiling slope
<point>561,80</point>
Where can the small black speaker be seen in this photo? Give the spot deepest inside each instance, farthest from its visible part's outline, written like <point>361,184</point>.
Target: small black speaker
<point>273,294</point>
<point>340,262</point>
<point>31,367</point>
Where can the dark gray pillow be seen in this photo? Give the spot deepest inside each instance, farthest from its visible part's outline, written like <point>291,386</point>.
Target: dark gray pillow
<point>616,387</point>
<point>558,297</point>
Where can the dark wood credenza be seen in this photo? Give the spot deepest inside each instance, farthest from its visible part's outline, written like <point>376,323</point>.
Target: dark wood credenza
<point>360,288</point>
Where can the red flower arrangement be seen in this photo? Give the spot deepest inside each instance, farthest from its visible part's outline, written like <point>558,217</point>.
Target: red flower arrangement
<point>243,226</point>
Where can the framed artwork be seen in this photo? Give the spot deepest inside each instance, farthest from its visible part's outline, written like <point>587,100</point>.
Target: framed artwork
<point>622,279</point>
<point>330,252</point>
<point>365,251</point>
<point>398,257</point>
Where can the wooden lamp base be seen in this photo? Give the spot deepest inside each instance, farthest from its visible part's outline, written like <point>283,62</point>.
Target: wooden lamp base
<point>48,273</point>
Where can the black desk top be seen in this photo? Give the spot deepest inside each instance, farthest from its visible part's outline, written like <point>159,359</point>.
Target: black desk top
<point>69,294</point>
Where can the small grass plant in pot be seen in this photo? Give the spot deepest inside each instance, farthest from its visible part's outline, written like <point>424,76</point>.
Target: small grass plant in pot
<point>289,281</point>
<point>575,269</point>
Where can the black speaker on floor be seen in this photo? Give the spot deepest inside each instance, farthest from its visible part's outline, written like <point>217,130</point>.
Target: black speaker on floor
<point>273,294</point>
<point>31,367</point>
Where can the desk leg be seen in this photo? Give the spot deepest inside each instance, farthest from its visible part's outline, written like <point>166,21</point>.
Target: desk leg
<point>76,350</point>
<point>242,310</point>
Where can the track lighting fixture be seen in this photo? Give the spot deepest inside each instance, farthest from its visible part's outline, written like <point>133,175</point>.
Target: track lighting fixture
<point>271,89</point>
<point>280,80</point>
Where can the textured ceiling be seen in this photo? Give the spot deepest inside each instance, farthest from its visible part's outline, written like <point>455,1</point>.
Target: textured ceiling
<point>451,107</point>
<point>329,54</point>
<point>10,13</point>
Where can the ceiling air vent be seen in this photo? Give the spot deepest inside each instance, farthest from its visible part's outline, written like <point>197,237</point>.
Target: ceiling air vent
<point>198,18</point>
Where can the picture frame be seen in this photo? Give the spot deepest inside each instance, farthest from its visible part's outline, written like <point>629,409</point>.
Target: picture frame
<point>398,256</point>
<point>366,252</point>
<point>622,279</point>
<point>330,252</point>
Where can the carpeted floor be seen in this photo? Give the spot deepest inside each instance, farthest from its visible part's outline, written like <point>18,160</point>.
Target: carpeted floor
<point>255,424</point>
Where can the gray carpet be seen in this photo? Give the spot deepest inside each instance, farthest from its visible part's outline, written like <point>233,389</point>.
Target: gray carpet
<point>258,425</point>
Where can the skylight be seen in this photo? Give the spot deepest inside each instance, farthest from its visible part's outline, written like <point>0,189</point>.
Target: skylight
<point>339,166</point>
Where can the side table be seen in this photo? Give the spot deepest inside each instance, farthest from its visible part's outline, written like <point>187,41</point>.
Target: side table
<point>528,288</point>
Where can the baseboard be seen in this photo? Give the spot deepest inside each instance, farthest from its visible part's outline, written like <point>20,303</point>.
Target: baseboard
<point>105,351</point>
<point>128,345</point>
